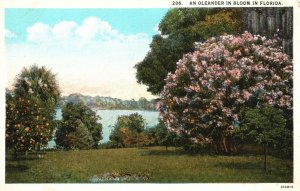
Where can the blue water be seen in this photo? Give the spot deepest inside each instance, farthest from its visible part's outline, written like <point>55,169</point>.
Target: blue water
<point>109,118</point>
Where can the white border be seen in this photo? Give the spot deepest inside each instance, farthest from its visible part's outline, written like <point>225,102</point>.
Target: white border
<point>130,3</point>
<point>173,187</point>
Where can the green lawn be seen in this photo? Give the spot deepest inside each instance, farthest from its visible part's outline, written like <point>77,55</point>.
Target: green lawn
<point>160,166</point>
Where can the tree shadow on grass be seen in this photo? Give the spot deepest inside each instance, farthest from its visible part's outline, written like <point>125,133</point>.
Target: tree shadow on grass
<point>25,159</point>
<point>164,153</point>
<point>15,168</point>
<point>176,152</point>
<point>238,165</point>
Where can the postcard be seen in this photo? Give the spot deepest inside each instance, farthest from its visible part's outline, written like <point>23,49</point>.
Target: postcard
<point>173,94</point>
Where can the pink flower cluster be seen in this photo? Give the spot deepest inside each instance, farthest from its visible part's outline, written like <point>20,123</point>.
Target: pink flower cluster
<point>211,84</point>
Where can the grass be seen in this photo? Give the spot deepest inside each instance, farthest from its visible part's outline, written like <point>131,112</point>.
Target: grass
<point>160,166</point>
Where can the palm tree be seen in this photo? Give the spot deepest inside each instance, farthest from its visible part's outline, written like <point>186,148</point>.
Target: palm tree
<point>38,82</point>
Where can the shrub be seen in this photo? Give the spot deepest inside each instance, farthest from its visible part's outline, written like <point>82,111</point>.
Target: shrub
<point>128,130</point>
<point>79,127</point>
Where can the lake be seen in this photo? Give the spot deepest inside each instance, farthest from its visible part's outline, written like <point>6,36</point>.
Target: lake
<point>109,118</point>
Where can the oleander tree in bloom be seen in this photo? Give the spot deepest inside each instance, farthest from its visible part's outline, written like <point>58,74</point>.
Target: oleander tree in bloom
<point>203,98</point>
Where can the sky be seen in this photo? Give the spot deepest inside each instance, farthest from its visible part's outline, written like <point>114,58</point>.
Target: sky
<point>92,51</point>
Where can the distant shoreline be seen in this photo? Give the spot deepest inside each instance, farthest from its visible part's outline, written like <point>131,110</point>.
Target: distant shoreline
<point>137,109</point>
<point>108,103</point>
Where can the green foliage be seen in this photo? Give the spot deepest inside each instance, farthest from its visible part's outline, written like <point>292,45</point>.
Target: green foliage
<point>218,24</point>
<point>266,126</point>
<point>145,139</point>
<point>160,60</point>
<point>80,138</point>
<point>166,137</point>
<point>30,109</point>
<point>176,20</point>
<point>127,130</point>
<point>79,127</point>
<point>180,29</point>
<point>133,122</point>
<point>38,82</point>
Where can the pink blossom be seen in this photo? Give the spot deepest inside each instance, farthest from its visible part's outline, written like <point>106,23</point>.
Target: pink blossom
<point>198,68</point>
<point>157,106</point>
<point>235,73</point>
<point>237,53</point>
<point>246,94</point>
<point>227,53</point>
<point>227,82</point>
<point>237,41</point>
<point>231,59</point>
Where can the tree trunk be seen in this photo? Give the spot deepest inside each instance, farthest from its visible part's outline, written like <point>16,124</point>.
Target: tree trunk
<point>15,154</point>
<point>265,152</point>
<point>37,150</point>
<point>233,144</point>
<point>166,147</point>
<point>223,142</point>
<point>26,154</point>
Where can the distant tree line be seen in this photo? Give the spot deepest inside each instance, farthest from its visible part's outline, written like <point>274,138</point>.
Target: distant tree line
<point>100,102</point>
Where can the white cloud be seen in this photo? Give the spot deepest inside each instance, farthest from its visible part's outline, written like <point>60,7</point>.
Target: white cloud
<point>9,34</point>
<point>39,32</point>
<point>64,29</point>
<point>92,29</point>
